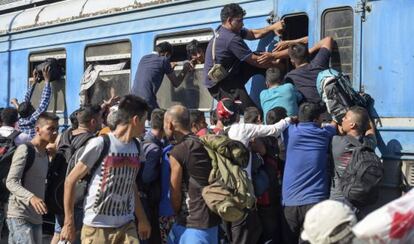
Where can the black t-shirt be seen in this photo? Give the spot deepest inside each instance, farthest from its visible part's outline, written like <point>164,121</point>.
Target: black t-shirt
<point>196,163</point>
<point>304,78</point>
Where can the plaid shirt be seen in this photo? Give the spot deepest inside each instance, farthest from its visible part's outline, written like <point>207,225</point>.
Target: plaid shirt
<point>27,125</point>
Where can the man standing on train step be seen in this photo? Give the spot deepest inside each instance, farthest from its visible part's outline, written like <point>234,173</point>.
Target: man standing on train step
<point>228,50</point>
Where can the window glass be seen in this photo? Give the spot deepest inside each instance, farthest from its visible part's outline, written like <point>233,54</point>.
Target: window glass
<point>112,61</point>
<point>338,23</point>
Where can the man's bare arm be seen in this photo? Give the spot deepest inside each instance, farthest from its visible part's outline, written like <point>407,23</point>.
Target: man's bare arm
<point>176,80</point>
<point>254,34</point>
<point>175,184</point>
<point>326,42</point>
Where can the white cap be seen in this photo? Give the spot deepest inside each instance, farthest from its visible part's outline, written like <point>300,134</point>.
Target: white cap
<point>323,218</point>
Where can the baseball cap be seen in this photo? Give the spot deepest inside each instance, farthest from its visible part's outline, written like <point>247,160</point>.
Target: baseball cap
<point>227,107</point>
<point>322,219</point>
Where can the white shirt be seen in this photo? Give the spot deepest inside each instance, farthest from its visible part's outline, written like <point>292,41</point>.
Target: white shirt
<point>247,132</point>
<point>20,139</point>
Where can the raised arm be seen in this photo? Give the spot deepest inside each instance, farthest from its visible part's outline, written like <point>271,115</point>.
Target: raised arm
<point>46,94</point>
<point>176,80</point>
<point>254,34</point>
<point>326,42</point>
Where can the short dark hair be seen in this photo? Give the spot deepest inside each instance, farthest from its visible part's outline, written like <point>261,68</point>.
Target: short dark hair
<point>25,109</point>
<point>213,117</point>
<point>299,52</point>
<point>361,118</point>
<point>232,10</point>
<point>273,75</point>
<point>87,113</point>
<point>251,115</point>
<point>275,115</point>
<point>130,106</point>
<point>309,112</point>
<point>46,116</point>
<point>9,116</point>
<point>196,116</point>
<point>73,119</point>
<point>192,47</point>
<point>164,47</point>
<point>157,119</point>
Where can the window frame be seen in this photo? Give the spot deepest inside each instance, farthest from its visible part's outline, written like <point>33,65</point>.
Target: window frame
<point>41,60</point>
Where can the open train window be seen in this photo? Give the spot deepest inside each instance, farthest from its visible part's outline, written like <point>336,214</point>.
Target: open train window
<point>191,93</point>
<point>113,63</point>
<point>338,23</point>
<point>58,99</point>
<point>296,26</point>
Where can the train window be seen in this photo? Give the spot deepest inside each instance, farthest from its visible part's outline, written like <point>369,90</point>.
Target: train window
<point>113,62</point>
<point>296,27</point>
<point>58,100</point>
<point>338,23</point>
<point>191,93</point>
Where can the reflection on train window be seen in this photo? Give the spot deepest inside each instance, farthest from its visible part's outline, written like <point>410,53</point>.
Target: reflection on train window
<point>58,99</point>
<point>191,92</point>
<point>107,72</point>
<point>338,23</point>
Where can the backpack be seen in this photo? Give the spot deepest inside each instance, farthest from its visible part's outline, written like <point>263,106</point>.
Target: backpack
<point>7,148</point>
<point>68,147</point>
<point>230,191</point>
<point>360,179</point>
<point>337,93</point>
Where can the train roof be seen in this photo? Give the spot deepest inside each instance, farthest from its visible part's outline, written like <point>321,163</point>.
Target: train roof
<point>71,10</point>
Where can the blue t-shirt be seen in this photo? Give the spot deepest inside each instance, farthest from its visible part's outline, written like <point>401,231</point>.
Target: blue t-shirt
<point>230,51</point>
<point>149,76</point>
<point>165,208</point>
<point>284,95</point>
<point>305,179</point>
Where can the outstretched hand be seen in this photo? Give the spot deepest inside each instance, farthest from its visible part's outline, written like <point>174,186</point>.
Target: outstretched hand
<point>46,73</point>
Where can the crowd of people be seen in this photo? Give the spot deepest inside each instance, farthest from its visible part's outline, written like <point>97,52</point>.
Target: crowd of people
<point>125,183</point>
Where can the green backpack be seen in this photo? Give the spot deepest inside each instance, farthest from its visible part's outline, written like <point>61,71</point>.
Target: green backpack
<point>230,191</point>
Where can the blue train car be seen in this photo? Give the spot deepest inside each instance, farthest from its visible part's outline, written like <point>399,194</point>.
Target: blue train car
<point>373,48</point>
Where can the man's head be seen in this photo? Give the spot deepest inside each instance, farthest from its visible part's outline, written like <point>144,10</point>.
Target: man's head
<point>356,119</point>
<point>298,53</point>
<point>195,52</point>
<point>46,127</point>
<point>9,116</point>
<point>275,115</point>
<point>252,115</point>
<point>90,117</point>
<point>132,111</point>
<point>232,17</point>
<point>273,77</point>
<point>213,117</point>
<point>328,222</point>
<point>176,120</point>
<point>157,119</point>
<point>228,111</point>
<point>25,109</point>
<point>310,112</point>
<point>197,121</point>
<point>164,49</point>
<point>74,119</point>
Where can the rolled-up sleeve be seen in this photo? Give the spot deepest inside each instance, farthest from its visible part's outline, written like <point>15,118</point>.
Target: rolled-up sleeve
<point>14,178</point>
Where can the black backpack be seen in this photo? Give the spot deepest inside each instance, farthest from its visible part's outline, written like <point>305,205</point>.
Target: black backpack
<point>69,145</point>
<point>7,149</point>
<point>360,179</point>
<point>338,94</point>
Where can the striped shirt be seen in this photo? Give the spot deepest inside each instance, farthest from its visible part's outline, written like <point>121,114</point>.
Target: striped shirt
<point>27,125</point>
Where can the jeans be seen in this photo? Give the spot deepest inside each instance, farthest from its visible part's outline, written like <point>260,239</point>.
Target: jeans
<point>21,231</point>
<point>182,235</point>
